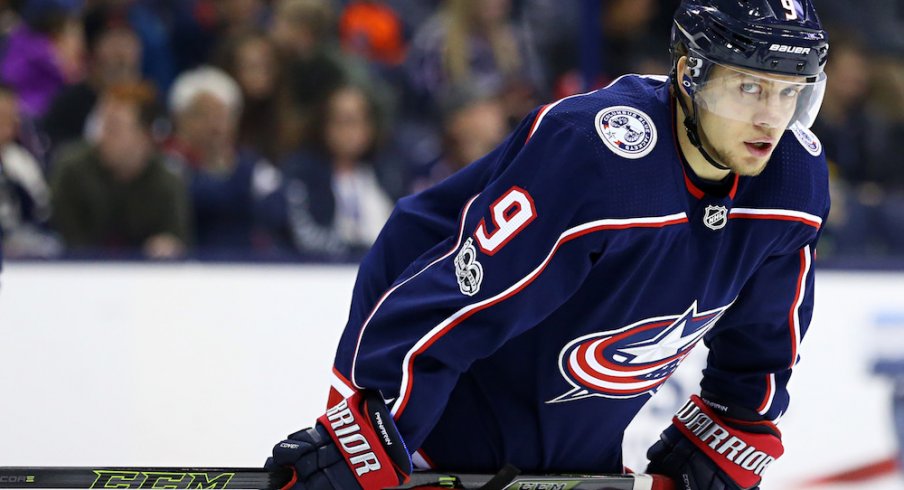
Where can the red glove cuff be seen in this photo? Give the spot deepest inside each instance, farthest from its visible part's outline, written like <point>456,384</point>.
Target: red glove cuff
<point>360,445</point>
<point>742,455</point>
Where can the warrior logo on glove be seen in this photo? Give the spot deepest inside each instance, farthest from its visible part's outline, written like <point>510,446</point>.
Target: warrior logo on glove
<point>720,439</point>
<point>705,450</point>
<point>355,446</point>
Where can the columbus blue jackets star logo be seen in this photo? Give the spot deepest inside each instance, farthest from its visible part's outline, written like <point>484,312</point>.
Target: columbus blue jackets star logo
<point>633,360</point>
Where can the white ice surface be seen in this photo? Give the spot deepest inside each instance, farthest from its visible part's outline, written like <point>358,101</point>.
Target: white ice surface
<point>191,365</point>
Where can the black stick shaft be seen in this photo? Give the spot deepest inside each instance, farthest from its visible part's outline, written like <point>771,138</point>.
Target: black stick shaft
<point>171,478</point>
<point>138,477</point>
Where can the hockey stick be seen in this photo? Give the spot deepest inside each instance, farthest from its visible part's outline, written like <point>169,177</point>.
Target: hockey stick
<point>256,478</point>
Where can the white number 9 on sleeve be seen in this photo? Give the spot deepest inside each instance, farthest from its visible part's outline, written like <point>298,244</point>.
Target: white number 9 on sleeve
<point>511,213</point>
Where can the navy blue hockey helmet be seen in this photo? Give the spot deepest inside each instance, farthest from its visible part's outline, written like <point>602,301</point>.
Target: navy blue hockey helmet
<point>782,37</point>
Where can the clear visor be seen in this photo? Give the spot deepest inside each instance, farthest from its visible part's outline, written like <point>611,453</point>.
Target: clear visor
<point>763,99</point>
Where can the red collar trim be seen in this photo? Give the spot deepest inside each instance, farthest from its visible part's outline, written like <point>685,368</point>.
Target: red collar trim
<point>734,187</point>
<point>694,190</point>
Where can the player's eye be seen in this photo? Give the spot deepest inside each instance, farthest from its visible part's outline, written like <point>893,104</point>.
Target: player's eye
<point>790,92</point>
<point>751,88</point>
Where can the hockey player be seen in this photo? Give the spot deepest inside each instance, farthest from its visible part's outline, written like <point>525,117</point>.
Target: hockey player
<point>523,310</point>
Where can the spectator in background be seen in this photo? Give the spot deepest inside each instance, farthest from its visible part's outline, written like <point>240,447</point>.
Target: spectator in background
<point>844,123</point>
<point>44,53</point>
<point>197,26</point>
<point>372,30</point>
<point>862,130</point>
<point>473,124</point>
<point>631,36</point>
<point>471,41</point>
<point>114,57</point>
<point>465,43</point>
<point>630,40</point>
<point>305,37</point>
<point>336,204</point>
<point>161,25</point>
<point>888,171</point>
<point>881,22</point>
<point>237,196</point>
<point>115,196</point>
<point>9,18</point>
<point>554,34</point>
<point>845,128</point>
<point>251,59</point>
<point>238,16</point>
<point>866,137</point>
<point>302,29</point>
<point>179,35</point>
<point>24,194</point>
<point>413,13</point>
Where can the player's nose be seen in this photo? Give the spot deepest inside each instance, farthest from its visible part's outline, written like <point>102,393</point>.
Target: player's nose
<point>771,113</point>
<point>768,117</point>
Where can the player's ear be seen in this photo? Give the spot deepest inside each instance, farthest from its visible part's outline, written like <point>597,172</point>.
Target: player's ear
<point>683,75</point>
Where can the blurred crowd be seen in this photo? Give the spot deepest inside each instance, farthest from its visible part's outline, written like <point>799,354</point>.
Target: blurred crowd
<point>286,129</point>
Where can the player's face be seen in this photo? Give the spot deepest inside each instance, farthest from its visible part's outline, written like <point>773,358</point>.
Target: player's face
<point>743,115</point>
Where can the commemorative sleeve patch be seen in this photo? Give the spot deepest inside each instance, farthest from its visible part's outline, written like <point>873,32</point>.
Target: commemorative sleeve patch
<point>807,139</point>
<point>468,270</point>
<point>627,131</point>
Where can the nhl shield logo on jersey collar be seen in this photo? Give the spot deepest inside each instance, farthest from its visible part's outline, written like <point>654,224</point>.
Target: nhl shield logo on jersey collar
<point>715,217</point>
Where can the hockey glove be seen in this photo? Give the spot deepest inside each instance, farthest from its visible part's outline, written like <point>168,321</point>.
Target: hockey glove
<point>354,445</point>
<point>703,450</point>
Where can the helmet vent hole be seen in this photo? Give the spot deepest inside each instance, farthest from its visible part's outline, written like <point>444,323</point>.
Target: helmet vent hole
<point>731,40</point>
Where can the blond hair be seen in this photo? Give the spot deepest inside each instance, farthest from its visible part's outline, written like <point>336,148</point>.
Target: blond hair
<point>460,25</point>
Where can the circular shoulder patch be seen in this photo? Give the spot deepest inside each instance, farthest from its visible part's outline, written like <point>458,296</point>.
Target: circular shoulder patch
<point>627,131</point>
<point>807,139</point>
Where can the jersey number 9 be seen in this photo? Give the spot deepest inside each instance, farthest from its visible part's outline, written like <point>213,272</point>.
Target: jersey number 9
<point>511,213</point>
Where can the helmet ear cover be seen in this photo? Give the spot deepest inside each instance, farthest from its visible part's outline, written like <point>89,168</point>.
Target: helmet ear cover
<point>688,84</point>
<point>695,65</point>
<point>696,72</point>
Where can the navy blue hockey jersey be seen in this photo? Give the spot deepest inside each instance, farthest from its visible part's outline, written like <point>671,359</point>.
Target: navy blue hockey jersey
<point>523,310</point>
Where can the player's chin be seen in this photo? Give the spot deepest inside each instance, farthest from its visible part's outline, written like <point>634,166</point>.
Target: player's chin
<point>749,167</point>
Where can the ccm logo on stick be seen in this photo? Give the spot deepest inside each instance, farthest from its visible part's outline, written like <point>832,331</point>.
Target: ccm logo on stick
<point>160,479</point>
<point>16,479</point>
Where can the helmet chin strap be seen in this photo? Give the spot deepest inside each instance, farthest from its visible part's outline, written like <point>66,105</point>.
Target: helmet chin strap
<point>690,125</point>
